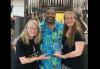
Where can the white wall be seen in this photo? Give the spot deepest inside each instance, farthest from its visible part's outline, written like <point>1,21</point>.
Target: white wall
<point>78,5</point>
<point>18,9</point>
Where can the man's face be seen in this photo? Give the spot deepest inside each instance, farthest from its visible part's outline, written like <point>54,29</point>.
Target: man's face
<point>50,16</point>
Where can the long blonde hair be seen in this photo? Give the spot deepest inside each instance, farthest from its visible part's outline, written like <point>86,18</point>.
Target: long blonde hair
<point>24,35</point>
<point>75,28</point>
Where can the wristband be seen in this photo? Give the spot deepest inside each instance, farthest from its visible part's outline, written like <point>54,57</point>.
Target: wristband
<point>63,56</point>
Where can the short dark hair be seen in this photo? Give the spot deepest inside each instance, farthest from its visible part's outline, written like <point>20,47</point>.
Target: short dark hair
<point>50,8</point>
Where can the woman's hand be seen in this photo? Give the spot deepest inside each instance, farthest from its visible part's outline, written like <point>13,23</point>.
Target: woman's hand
<point>58,54</point>
<point>42,57</point>
<point>25,60</point>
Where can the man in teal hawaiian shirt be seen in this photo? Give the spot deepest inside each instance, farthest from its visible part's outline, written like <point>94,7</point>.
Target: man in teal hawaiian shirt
<point>51,34</point>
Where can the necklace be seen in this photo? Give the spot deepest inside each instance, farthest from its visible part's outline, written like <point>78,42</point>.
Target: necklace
<point>33,49</point>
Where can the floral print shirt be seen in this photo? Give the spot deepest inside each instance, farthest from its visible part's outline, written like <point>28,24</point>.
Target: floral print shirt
<point>51,43</point>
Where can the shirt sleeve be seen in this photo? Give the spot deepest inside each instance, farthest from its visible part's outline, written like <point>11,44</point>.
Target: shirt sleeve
<point>79,37</point>
<point>20,49</point>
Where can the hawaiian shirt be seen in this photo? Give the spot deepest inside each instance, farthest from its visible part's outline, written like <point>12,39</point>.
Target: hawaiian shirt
<point>51,43</point>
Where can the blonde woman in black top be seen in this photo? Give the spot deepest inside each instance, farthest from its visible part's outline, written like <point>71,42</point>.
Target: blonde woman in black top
<point>73,41</point>
<point>27,47</point>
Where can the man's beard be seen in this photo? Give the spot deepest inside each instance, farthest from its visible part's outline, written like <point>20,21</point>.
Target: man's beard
<point>50,19</point>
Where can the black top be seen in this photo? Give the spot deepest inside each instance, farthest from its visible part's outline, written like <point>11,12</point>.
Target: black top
<point>73,63</point>
<point>23,49</point>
